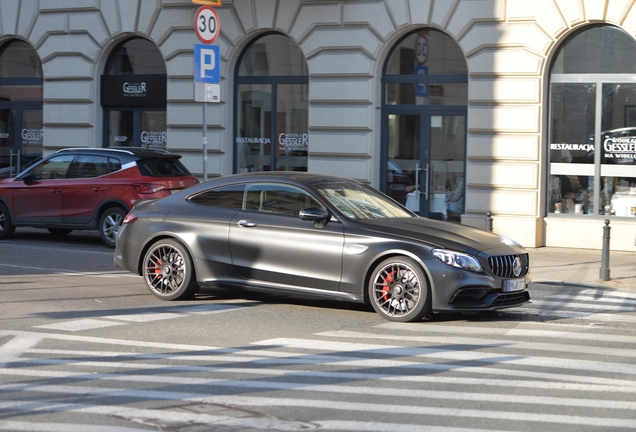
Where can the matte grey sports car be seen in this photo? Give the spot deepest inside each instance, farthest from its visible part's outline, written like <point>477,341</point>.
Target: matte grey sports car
<point>319,235</point>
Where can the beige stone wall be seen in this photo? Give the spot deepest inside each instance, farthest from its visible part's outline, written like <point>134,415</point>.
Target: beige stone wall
<point>508,46</point>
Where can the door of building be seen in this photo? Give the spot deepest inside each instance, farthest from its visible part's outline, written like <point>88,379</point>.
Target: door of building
<point>20,136</point>
<point>426,160</point>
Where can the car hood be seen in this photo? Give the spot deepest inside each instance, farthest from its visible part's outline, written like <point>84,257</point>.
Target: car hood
<point>442,234</point>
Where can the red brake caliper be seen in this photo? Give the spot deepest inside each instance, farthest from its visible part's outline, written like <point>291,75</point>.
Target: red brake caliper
<point>158,268</point>
<point>385,287</point>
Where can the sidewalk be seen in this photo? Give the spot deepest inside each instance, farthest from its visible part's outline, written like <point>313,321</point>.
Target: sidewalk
<point>582,267</point>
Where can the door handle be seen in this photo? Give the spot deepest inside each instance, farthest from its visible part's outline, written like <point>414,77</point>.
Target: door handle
<point>56,191</point>
<point>99,189</point>
<point>426,179</point>
<point>246,223</point>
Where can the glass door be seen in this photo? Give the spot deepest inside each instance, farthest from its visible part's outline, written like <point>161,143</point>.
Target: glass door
<point>426,162</point>
<point>446,185</point>
<point>8,159</point>
<point>21,137</point>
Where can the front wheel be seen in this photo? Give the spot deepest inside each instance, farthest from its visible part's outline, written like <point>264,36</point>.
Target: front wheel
<point>168,271</point>
<point>109,225</point>
<point>6,225</point>
<point>399,291</point>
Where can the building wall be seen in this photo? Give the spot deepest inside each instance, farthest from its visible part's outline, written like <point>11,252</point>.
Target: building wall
<point>508,46</point>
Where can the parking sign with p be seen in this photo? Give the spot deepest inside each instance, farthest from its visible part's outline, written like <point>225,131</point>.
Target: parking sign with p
<point>207,62</point>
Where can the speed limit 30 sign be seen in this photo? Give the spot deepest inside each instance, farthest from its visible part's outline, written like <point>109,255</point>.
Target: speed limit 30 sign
<point>207,24</point>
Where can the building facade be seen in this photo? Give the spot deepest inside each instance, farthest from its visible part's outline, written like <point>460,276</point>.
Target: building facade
<point>524,109</point>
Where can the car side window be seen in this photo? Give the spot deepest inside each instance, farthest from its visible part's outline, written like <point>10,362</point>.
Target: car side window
<point>51,169</point>
<point>87,166</point>
<point>115,165</point>
<point>224,197</point>
<point>278,198</point>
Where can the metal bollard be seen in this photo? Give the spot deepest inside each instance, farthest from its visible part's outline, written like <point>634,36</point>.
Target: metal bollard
<point>488,221</point>
<point>605,271</point>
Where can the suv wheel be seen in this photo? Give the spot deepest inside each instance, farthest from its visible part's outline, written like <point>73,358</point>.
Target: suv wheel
<point>109,224</point>
<point>6,226</point>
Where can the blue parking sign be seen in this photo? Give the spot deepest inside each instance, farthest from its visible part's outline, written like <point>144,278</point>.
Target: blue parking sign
<point>421,90</point>
<point>207,64</point>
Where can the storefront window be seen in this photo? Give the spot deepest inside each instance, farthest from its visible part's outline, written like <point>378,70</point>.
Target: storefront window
<point>133,94</point>
<point>21,133</point>
<point>432,68</point>
<point>272,96</point>
<point>592,151</point>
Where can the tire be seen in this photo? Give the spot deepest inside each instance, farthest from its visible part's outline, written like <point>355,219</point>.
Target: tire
<point>168,271</point>
<point>59,231</point>
<point>6,224</point>
<point>109,224</point>
<point>399,291</point>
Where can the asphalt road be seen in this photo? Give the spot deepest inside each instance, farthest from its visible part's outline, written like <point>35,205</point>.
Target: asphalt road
<point>84,346</point>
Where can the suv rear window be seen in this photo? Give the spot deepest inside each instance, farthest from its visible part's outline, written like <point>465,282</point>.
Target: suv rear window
<point>162,167</point>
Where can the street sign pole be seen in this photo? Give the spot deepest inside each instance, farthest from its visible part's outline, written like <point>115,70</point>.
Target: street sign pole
<point>206,68</point>
<point>205,145</point>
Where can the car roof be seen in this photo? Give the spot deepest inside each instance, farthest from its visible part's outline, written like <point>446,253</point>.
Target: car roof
<point>128,153</point>
<point>298,176</point>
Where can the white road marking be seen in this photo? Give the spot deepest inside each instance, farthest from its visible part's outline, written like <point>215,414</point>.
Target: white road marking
<point>73,273</point>
<point>15,347</point>
<point>584,306</point>
<point>611,386</point>
<point>476,344</point>
<point>290,402</point>
<point>455,355</point>
<point>516,331</point>
<point>144,317</point>
<point>210,308</point>
<point>79,325</point>
<point>20,426</point>
<point>261,384</point>
<point>162,415</point>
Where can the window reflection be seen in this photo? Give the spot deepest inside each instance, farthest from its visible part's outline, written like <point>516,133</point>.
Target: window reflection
<point>593,171</point>
<point>136,56</point>
<point>272,107</point>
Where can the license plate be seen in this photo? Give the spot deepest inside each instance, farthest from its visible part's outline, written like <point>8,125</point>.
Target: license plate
<point>514,285</point>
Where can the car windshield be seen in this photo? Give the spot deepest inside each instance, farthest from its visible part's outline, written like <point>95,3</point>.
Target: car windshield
<point>357,201</point>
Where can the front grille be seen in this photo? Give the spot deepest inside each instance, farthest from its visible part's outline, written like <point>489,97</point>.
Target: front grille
<point>511,299</point>
<point>503,266</point>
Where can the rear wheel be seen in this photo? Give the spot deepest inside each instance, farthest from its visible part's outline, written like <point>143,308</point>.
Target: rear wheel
<point>109,224</point>
<point>6,225</point>
<point>168,271</point>
<point>399,291</point>
<point>59,231</point>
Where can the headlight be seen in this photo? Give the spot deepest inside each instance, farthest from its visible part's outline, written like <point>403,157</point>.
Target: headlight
<point>458,259</point>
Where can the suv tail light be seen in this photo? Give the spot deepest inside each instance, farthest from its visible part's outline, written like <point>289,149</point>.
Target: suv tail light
<point>147,188</point>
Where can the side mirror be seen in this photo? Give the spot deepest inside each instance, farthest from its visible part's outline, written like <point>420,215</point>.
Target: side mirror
<point>29,178</point>
<point>315,214</point>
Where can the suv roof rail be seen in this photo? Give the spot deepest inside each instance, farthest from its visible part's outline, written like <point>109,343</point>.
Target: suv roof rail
<point>135,151</point>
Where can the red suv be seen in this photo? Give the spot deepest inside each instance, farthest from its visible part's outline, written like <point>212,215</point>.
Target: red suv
<point>88,189</point>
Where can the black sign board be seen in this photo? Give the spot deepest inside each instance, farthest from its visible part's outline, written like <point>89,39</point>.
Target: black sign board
<point>134,90</point>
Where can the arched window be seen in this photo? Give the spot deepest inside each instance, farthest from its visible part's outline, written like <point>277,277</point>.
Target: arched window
<point>592,144</point>
<point>272,95</point>
<point>21,135</point>
<point>425,95</point>
<point>133,93</point>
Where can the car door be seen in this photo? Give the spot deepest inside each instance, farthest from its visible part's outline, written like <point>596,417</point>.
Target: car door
<point>86,187</point>
<point>270,243</point>
<point>37,197</point>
